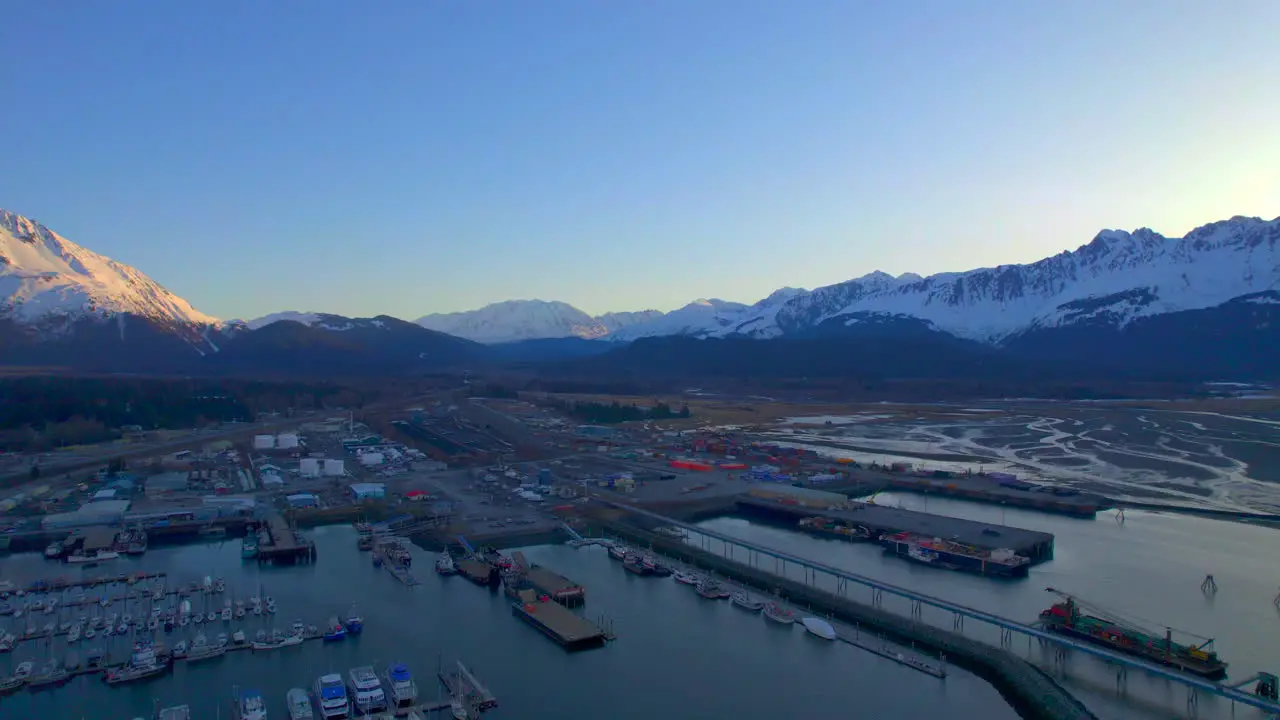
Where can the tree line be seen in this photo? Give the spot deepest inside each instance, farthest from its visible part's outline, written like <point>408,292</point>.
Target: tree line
<point>615,412</point>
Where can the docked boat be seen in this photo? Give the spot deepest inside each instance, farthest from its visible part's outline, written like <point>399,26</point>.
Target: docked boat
<point>445,564</point>
<point>655,568</point>
<point>10,684</point>
<point>367,690</point>
<point>742,599</point>
<point>276,640</point>
<point>99,556</point>
<point>819,628</point>
<point>712,590</point>
<point>54,550</point>
<point>299,705</point>
<point>633,564</point>
<point>24,669</point>
<point>331,696</point>
<point>143,664</point>
<point>354,623</point>
<point>1069,618</point>
<point>251,706</point>
<point>249,546</point>
<point>457,709</point>
<point>334,631</point>
<point>686,578</point>
<point>949,555</point>
<point>778,614</point>
<point>618,552</point>
<point>180,649</point>
<point>177,712</point>
<point>401,689</point>
<point>50,676</point>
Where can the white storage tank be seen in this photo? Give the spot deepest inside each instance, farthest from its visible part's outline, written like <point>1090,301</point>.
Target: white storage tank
<point>287,440</point>
<point>371,458</point>
<point>309,467</point>
<point>264,442</point>
<point>334,467</point>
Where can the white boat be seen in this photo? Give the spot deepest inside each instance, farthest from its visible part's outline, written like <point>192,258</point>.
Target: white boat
<point>457,709</point>
<point>369,696</point>
<point>401,687</point>
<point>299,705</point>
<point>686,578</point>
<point>331,695</point>
<point>24,669</point>
<point>96,557</point>
<point>445,564</point>
<point>618,552</point>
<point>779,614</point>
<point>252,706</point>
<point>819,628</point>
<point>226,614</point>
<point>743,599</point>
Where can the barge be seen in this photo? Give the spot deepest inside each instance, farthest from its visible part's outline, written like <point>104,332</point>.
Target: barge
<point>557,622</point>
<point>950,555</point>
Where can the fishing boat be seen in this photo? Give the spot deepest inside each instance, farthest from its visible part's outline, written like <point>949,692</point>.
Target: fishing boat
<point>50,676</point>
<point>369,696</point>
<point>331,695</point>
<point>177,712</point>
<point>742,599</point>
<point>249,546</point>
<point>142,665</point>
<point>445,564</point>
<point>180,649</point>
<point>633,564</point>
<point>819,628</point>
<point>401,688</point>
<point>23,671</point>
<point>334,631</point>
<point>655,568</point>
<point>686,578</point>
<point>618,552</point>
<point>299,704</point>
<point>354,623</point>
<point>712,590</point>
<point>10,684</point>
<point>778,614</point>
<point>276,640</point>
<point>251,706</point>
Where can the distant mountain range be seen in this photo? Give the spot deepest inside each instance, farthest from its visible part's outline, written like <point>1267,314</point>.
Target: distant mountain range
<point>1206,304</point>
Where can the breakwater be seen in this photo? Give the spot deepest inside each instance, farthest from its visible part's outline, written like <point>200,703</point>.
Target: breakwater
<point>1032,693</point>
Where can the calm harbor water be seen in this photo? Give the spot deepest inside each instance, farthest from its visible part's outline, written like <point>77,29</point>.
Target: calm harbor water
<point>1148,569</point>
<point>677,655</point>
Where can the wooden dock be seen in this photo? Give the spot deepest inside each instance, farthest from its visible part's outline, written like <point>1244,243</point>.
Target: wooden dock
<point>284,545</point>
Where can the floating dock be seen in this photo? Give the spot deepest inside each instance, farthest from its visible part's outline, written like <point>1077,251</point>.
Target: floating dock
<point>557,622</point>
<point>479,572</point>
<point>551,583</point>
<point>881,519</point>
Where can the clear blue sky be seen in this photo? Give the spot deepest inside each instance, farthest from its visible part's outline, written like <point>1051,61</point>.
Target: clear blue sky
<point>414,156</point>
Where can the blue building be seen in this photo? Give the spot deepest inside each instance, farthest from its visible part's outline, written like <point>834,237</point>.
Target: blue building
<point>368,491</point>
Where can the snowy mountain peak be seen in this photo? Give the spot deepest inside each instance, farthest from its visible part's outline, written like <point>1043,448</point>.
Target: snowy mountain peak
<point>45,276</point>
<point>306,318</point>
<point>515,320</point>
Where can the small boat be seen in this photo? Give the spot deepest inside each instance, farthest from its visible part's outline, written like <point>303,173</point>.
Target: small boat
<point>779,614</point>
<point>686,578</point>
<point>90,634</point>
<point>819,628</point>
<point>23,671</point>
<point>354,623</point>
<point>249,547</point>
<point>237,638</point>
<point>633,564</point>
<point>52,675</point>
<point>10,684</point>
<point>180,649</point>
<point>712,590</point>
<point>334,630</point>
<point>226,614</point>
<point>743,599</point>
<point>618,552</point>
<point>73,634</point>
<point>445,564</point>
<point>299,705</point>
<point>457,709</point>
<point>211,616</point>
<point>177,712</point>
<point>654,567</point>
<point>143,664</point>
<point>251,706</point>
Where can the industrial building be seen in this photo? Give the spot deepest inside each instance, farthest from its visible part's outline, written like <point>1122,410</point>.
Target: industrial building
<point>805,497</point>
<point>368,491</point>
<point>371,458</point>
<point>286,441</point>
<point>166,483</point>
<point>264,442</point>
<point>334,468</point>
<point>309,467</point>
<point>105,512</point>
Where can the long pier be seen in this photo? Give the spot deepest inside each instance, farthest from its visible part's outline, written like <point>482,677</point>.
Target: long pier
<point>987,659</point>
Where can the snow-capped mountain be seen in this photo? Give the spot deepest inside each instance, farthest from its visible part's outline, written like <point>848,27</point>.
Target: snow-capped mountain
<point>1115,279</point>
<point>516,320</point>
<point>615,321</point>
<point>44,276</point>
<point>306,318</point>
<point>714,318</point>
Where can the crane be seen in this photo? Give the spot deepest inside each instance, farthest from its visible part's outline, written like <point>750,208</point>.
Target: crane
<point>1134,623</point>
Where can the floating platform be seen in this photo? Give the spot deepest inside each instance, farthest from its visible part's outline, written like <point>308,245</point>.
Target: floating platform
<point>479,572</point>
<point>556,586</point>
<point>285,546</point>
<point>557,622</point>
<point>881,519</point>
